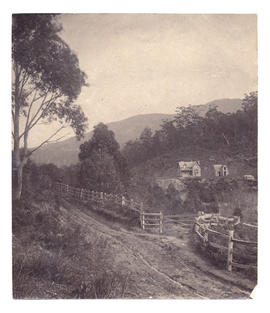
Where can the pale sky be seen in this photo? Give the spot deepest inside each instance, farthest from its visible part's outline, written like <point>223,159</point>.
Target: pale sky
<point>152,63</point>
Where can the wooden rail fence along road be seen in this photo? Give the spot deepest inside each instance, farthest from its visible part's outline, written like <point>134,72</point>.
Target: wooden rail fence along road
<point>202,228</point>
<point>146,219</point>
<point>98,197</point>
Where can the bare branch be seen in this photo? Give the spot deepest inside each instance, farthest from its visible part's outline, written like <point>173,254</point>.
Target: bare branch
<point>47,103</point>
<point>29,110</point>
<point>226,139</point>
<point>46,141</point>
<point>28,124</point>
<point>40,107</point>
<point>23,82</point>
<point>29,93</point>
<point>56,140</point>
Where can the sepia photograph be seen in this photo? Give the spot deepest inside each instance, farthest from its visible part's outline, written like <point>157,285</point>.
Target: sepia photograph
<point>134,155</point>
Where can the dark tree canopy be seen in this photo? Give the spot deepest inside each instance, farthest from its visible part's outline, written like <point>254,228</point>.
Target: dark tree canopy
<point>102,164</point>
<point>231,132</point>
<point>47,80</point>
<point>38,49</point>
<point>103,140</point>
<point>46,65</point>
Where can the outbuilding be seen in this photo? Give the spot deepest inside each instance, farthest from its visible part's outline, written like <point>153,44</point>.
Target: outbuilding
<point>189,169</point>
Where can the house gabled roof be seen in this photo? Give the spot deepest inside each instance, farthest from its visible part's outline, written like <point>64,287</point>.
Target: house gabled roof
<point>187,165</point>
<point>218,166</point>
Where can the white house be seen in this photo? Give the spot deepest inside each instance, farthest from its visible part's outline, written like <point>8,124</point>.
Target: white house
<point>221,170</point>
<point>189,169</point>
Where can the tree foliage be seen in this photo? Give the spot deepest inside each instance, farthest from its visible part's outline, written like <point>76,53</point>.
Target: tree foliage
<point>102,166</point>
<point>46,82</point>
<point>233,132</point>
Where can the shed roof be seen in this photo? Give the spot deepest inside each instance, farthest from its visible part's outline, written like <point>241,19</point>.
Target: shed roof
<point>219,166</point>
<point>187,165</point>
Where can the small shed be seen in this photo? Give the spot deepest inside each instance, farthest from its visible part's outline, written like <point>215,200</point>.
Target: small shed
<point>221,170</point>
<point>249,177</point>
<point>189,169</point>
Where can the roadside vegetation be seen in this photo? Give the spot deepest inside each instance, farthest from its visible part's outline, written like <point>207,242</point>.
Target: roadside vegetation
<point>52,257</point>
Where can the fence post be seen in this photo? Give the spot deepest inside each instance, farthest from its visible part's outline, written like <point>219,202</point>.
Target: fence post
<point>160,222</point>
<point>205,237</point>
<point>123,201</point>
<point>81,194</point>
<point>67,189</point>
<point>101,198</point>
<point>230,251</point>
<point>143,220</point>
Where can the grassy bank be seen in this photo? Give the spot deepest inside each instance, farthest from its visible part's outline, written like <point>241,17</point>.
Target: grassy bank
<point>53,259</point>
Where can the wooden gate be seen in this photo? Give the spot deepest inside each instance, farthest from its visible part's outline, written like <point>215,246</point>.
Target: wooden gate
<point>151,220</point>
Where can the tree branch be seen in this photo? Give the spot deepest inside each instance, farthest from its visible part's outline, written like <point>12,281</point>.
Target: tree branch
<point>13,116</point>
<point>47,103</point>
<point>29,110</point>
<point>46,141</point>
<point>23,82</point>
<point>40,116</point>
<point>28,124</point>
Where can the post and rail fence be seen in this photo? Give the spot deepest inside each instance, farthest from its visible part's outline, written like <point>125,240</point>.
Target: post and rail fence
<point>146,219</point>
<point>150,220</point>
<point>202,228</point>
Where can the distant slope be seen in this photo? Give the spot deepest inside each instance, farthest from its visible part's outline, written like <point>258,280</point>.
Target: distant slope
<point>66,152</point>
<point>223,105</point>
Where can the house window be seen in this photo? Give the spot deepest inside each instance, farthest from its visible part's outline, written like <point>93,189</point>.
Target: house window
<point>225,171</point>
<point>196,172</point>
<point>219,173</point>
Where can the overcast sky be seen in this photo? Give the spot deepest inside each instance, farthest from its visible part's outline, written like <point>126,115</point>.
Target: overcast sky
<point>152,63</point>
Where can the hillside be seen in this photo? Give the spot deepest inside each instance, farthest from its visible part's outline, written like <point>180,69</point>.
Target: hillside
<point>78,252</point>
<point>66,152</point>
<point>223,105</point>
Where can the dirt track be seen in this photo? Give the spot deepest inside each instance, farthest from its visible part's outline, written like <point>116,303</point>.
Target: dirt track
<point>162,266</point>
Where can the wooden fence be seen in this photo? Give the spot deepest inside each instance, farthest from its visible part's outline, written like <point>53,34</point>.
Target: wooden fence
<point>204,232</point>
<point>146,219</point>
<point>152,220</point>
<point>98,197</point>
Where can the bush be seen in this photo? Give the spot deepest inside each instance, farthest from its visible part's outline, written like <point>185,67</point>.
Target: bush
<point>49,251</point>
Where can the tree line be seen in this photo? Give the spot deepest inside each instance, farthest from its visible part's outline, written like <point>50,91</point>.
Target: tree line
<point>232,132</point>
<point>102,166</point>
<point>47,81</point>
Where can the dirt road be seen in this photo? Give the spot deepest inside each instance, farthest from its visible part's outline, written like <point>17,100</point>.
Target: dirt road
<point>161,266</point>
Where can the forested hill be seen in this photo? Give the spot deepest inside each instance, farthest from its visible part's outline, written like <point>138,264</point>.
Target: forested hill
<point>66,152</point>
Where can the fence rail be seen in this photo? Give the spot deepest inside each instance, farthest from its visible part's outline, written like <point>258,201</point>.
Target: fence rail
<point>146,219</point>
<point>99,197</point>
<point>202,229</point>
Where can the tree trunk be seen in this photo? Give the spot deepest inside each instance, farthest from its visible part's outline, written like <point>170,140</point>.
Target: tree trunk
<point>17,166</point>
<point>17,183</point>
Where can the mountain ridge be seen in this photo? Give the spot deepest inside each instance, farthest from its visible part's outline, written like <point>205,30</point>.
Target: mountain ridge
<point>65,153</point>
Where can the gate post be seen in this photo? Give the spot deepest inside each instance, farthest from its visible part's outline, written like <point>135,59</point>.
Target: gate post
<point>123,201</point>
<point>160,222</point>
<point>230,251</point>
<point>143,220</point>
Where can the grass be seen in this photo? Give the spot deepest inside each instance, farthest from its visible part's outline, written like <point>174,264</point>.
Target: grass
<point>53,259</point>
<point>243,200</point>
